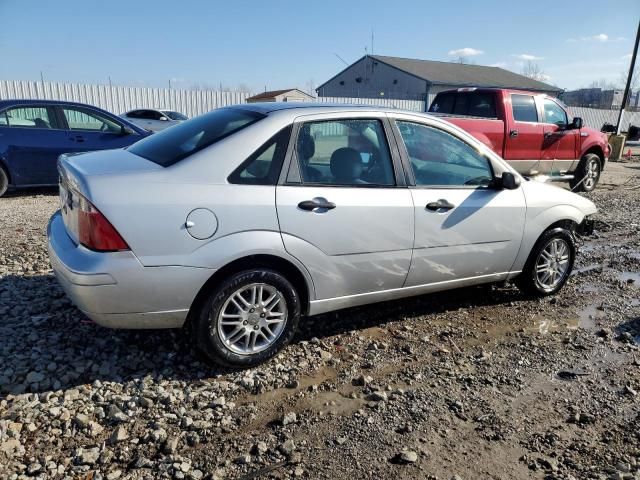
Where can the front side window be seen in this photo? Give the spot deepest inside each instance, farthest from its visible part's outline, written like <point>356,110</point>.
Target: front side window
<point>28,117</point>
<point>553,113</point>
<point>84,119</point>
<point>178,142</point>
<point>524,108</point>
<point>439,158</point>
<point>263,167</point>
<point>344,152</point>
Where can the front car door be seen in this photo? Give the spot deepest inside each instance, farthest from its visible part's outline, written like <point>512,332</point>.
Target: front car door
<point>524,138</point>
<point>89,129</point>
<point>32,139</point>
<point>464,228</point>
<point>343,208</point>
<point>559,149</point>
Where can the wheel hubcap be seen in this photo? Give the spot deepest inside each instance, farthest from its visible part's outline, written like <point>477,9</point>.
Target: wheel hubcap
<point>591,175</point>
<point>552,265</point>
<point>252,318</point>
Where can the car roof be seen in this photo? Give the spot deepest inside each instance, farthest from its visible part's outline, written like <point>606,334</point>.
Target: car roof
<point>31,101</point>
<point>309,108</point>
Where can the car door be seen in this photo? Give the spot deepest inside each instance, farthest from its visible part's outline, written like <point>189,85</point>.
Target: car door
<point>524,138</point>
<point>559,150</point>
<point>343,209</point>
<point>465,228</point>
<point>32,140</point>
<point>89,129</point>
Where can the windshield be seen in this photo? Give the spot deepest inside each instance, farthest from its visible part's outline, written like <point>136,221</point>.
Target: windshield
<point>174,115</point>
<point>176,143</point>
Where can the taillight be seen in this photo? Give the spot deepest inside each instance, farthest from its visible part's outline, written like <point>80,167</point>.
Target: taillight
<point>94,230</point>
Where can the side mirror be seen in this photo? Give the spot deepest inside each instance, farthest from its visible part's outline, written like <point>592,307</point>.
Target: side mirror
<point>509,181</point>
<point>577,123</point>
<point>126,131</point>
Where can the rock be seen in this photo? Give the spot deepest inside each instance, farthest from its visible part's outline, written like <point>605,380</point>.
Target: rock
<point>289,418</point>
<point>34,377</point>
<point>362,380</point>
<point>324,355</point>
<point>71,395</point>
<point>298,472</point>
<point>81,420</point>
<point>116,415</point>
<point>120,434</point>
<point>243,460</point>
<point>171,445</point>
<point>405,457</point>
<point>218,402</point>
<point>95,429</point>
<point>88,456</point>
<point>341,440</point>
<point>378,396</point>
<point>113,475</point>
<point>287,447</point>
<point>159,435</point>
<point>260,448</point>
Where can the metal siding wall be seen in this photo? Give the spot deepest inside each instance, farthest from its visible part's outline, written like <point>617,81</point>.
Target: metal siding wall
<point>413,105</point>
<point>595,118</point>
<point>118,99</point>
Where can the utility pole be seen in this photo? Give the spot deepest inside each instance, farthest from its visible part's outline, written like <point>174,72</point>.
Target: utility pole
<point>625,97</point>
<point>42,78</point>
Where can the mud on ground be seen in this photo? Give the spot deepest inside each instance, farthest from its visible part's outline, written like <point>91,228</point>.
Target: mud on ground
<point>474,383</point>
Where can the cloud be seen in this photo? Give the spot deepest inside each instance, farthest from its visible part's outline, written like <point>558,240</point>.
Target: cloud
<point>465,52</point>
<point>627,56</point>
<point>600,37</point>
<point>499,64</point>
<point>527,57</point>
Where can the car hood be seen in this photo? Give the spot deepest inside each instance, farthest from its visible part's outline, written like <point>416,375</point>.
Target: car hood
<point>547,195</point>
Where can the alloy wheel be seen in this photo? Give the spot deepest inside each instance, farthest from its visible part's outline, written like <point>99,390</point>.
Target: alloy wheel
<point>592,172</point>
<point>252,318</point>
<point>552,264</point>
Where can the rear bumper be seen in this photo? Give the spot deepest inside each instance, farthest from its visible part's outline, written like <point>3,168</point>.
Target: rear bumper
<point>115,290</point>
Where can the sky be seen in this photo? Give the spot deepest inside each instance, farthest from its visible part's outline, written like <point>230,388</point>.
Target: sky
<point>280,43</point>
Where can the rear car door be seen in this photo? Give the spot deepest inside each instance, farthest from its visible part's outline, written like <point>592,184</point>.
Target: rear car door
<point>89,129</point>
<point>559,149</point>
<point>465,229</point>
<point>525,134</point>
<point>343,208</point>
<point>32,139</point>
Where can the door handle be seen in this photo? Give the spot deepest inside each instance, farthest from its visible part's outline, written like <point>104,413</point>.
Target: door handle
<point>513,133</point>
<point>77,138</point>
<point>441,204</point>
<point>311,205</point>
<point>548,134</point>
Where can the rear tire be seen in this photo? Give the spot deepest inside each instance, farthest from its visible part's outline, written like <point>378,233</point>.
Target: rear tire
<point>549,264</point>
<point>587,174</point>
<point>247,319</point>
<point>4,182</point>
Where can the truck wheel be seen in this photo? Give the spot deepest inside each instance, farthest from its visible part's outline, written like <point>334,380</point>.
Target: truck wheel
<point>587,174</point>
<point>4,181</point>
<point>549,264</point>
<point>247,319</point>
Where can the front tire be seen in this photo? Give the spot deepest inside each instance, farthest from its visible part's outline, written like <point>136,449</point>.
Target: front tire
<point>247,319</point>
<point>4,182</point>
<point>549,264</point>
<point>587,174</point>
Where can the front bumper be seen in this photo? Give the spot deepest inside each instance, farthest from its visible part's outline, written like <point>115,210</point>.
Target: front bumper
<point>115,290</point>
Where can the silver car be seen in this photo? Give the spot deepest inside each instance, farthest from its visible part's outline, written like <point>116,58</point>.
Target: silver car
<point>154,120</point>
<point>241,221</point>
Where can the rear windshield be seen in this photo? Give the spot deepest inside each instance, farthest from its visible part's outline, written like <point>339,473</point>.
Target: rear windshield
<point>174,115</point>
<point>473,104</point>
<point>178,142</point>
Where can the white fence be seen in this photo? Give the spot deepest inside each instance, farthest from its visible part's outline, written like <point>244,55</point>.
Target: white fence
<point>119,99</point>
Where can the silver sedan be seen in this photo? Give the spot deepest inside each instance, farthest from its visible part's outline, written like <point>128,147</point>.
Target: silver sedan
<point>239,222</point>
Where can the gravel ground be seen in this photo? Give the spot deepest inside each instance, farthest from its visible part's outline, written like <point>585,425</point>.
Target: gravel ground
<point>473,383</point>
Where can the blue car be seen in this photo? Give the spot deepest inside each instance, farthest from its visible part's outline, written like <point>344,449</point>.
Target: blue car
<point>33,133</point>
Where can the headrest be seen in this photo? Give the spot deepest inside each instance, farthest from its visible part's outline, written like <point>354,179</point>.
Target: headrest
<point>346,164</point>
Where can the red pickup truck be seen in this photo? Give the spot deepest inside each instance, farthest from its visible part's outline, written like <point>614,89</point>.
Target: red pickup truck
<point>532,131</point>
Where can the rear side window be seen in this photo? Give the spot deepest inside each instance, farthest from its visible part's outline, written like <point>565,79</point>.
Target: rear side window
<point>524,108</point>
<point>473,104</point>
<point>29,117</point>
<point>178,142</point>
<point>263,166</point>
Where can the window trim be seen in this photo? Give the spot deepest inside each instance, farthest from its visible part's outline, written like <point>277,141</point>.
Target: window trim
<point>234,177</point>
<point>406,160</point>
<point>292,176</point>
<point>535,106</point>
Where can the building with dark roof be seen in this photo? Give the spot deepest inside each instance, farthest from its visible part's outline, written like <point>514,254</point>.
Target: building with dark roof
<point>288,95</point>
<point>377,76</point>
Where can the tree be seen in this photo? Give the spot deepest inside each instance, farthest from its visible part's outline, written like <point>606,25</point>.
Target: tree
<point>465,60</point>
<point>532,70</point>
